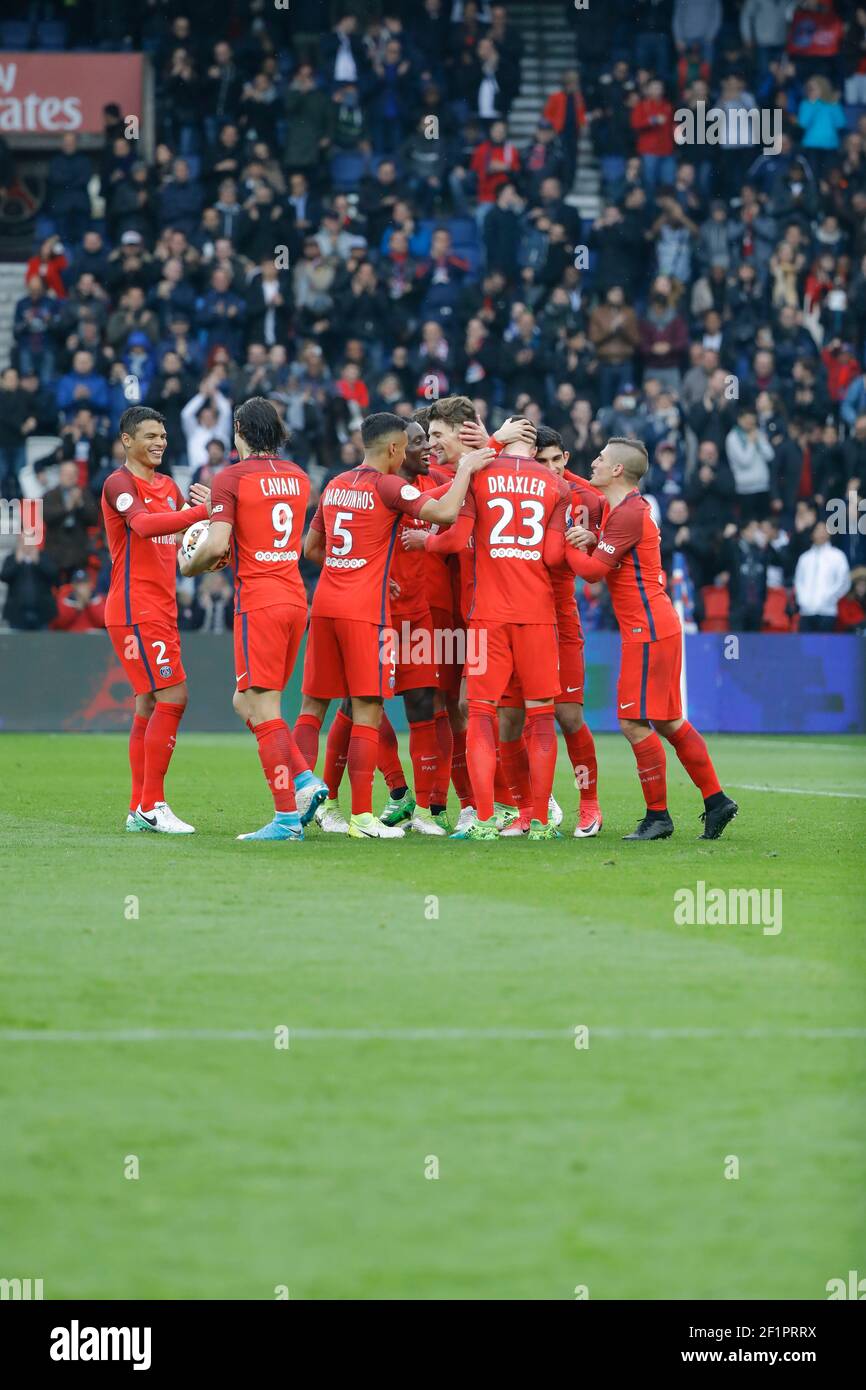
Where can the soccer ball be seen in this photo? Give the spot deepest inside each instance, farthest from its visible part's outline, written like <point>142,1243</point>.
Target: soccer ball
<point>191,539</point>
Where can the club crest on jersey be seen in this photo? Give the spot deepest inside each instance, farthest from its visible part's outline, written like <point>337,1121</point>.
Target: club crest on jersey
<point>165,672</point>
<point>409,493</point>
<point>124,502</point>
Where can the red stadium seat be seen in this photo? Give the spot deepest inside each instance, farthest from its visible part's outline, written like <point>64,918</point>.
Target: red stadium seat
<point>776,617</point>
<point>717,608</point>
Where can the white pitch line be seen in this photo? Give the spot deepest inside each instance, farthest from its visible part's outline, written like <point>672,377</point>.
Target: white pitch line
<point>795,791</point>
<point>145,1035</point>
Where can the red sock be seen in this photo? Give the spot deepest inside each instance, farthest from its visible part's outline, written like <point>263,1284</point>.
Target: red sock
<point>336,752</point>
<point>363,754</point>
<point>480,739</point>
<point>459,769</point>
<point>136,758</point>
<point>389,755</point>
<point>694,756</point>
<point>445,741</point>
<point>160,737</point>
<point>650,757</point>
<point>297,761</point>
<point>515,766</point>
<point>306,734</point>
<point>501,789</point>
<point>424,752</point>
<point>541,748</point>
<point>581,752</point>
<point>275,755</point>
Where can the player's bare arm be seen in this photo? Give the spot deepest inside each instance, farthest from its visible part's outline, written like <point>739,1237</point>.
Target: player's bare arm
<point>314,547</point>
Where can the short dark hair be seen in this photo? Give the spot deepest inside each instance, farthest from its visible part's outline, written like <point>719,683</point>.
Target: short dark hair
<point>135,416</point>
<point>636,461</point>
<point>546,438</point>
<point>422,417</point>
<point>375,427</point>
<point>258,421</point>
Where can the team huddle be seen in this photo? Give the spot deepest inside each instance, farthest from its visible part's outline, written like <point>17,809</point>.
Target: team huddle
<point>448,562</point>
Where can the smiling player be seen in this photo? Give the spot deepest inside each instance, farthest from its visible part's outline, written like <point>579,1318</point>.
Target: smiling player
<point>141,510</point>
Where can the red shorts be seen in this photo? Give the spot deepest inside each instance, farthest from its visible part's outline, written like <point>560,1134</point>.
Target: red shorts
<point>451,650</point>
<point>346,657</point>
<point>649,679</point>
<point>266,645</point>
<point>415,665</point>
<point>571,677</point>
<point>149,654</point>
<point>529,651</point>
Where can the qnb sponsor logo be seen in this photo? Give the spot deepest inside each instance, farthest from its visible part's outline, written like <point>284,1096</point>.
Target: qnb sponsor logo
<point>733,907</point>
<point>77,1343</point>
<point>737,126</point>
<point>21,1290</point>
<point>22,517</point>
<point>608,549</point>
<point>513,552</point>
<point>276,557</point>
<point>335,563</point>
<point>437,647</point>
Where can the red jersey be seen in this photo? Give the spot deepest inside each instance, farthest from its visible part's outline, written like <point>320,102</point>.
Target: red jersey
<point>654,123</point>
<point>359,512</point>
<point>143,570</point>
<point>410,568</point>
<point>585,507</point>
<point>513,501</point>
<point>630,544</point>
<point>265,500</point>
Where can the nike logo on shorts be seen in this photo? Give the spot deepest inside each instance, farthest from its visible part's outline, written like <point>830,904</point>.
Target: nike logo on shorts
<point>628,706</point>
<point>240,677</point>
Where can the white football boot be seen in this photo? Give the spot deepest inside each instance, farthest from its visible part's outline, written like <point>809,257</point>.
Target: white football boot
<point>163,820</point>
<point>554,812</point>
<point>331,820</point>
<point>468,816</point>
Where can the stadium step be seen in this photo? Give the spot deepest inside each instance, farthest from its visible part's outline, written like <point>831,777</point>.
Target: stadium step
<point>11,290</point>
<point>548,47</point>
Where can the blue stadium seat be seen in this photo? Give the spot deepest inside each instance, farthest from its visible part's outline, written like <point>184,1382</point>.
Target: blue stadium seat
<point>852,116</point>
<point>347,170</point>
<point>194,165</point>
<point>14,34</point>
<point>51,35</point>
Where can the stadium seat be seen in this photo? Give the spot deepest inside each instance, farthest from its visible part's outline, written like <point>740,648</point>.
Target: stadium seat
<point>775,617</point>
<point>51,35</point>
<point>717,608</point>
<point>347,170</point>
<point>14,34</point>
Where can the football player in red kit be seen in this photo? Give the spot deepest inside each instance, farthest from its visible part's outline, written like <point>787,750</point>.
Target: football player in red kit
<point>142,513</point>
<point>513,622</point>
<point>261,503</point>
<point>627,555</point>
<point>353,536</point>
<point>585,509</point>
<point>416,678</point>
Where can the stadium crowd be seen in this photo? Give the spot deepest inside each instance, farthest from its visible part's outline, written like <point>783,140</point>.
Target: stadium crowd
<point>336,217</point>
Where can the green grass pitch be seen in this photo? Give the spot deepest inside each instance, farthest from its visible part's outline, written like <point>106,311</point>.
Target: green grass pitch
<point>416,1037</point>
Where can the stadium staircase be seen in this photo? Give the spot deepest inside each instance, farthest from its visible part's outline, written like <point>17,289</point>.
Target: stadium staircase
<point>11,290</point>
<point>548,49</point>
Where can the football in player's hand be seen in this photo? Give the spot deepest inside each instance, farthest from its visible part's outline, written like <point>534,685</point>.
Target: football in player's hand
<point>192,538</point>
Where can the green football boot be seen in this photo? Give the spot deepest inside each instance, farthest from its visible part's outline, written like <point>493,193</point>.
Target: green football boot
<point>395,811</point>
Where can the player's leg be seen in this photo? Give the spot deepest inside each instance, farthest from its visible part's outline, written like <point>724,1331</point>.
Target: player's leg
<point>580,745</point>
<point>274,741</point>
<point>461,780</point>
<point>337,748</point>
<point>401,803</point>
<point>536,661</point>
<point>144,707</point>
<point>647,747</point>
<point>690,748</point>
<point>160,740</point>
<point>515,758</point>
<point>445,748</point>
<point>424,755</point>
<point>484,688</point>
<point>364,674</point>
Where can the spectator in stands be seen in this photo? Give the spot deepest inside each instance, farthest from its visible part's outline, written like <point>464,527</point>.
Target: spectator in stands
<point>750,454</point>
<point>79,609</point>
<point>69,511</point>
<point>744,557</point>
<point>35,323</point>
<point>852,608</point>
<point>821,579</point>
<point>30,577</point>
<point>16,423</point>
<point>208,415</point>
<point>69,173</point>
<point>652,120</point>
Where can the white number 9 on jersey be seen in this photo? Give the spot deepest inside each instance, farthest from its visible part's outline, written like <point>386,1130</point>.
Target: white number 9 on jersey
<point>282,520</point>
